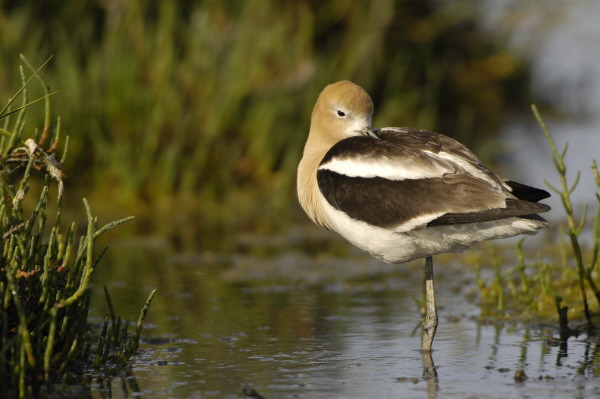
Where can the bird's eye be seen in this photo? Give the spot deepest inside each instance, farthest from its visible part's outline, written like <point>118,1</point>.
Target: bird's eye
<point>341,113</point>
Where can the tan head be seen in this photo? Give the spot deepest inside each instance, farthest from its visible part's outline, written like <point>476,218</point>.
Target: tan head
<point>343,110</point>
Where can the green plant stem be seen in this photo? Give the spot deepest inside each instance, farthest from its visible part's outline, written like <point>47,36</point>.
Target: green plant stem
<point>133,345</point>
<point>50,344</point>
<point>573,228</point>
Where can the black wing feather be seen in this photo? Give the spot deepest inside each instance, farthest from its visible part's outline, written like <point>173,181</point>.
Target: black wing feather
<point>527,193</point>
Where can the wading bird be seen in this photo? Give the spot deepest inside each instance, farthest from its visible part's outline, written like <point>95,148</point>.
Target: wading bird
<point>403,193</point>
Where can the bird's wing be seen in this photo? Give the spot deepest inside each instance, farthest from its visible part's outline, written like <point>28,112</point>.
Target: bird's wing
<point>401,184</point>
<point>451,150</point>
<point>428,141</point>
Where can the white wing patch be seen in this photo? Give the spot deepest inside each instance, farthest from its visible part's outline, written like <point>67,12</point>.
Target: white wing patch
<point>387,168</point>
<point>417,222</point>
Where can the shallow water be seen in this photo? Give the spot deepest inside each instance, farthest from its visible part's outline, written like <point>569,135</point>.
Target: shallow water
<point>295,325</point>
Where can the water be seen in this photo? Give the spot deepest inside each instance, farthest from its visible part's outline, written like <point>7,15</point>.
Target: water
<point>215,328</point>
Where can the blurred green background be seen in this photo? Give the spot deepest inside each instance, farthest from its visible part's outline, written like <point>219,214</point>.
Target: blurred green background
<point>192,115</point>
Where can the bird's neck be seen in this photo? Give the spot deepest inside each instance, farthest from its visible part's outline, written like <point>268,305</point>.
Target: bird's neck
<point>307,185</point>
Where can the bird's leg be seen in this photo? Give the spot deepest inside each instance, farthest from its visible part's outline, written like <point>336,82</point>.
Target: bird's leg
<point>430,375</point>
<point>431,319</point>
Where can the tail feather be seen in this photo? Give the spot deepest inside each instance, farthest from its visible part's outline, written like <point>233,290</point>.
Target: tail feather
<point>525,192</point>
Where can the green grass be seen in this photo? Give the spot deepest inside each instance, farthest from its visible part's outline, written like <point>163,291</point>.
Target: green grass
<point>45,267</point>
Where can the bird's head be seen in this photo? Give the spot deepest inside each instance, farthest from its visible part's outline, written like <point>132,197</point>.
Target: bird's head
<point>343,110</point>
